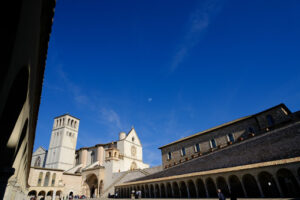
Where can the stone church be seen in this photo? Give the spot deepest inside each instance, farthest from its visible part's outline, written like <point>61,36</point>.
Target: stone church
<point>256,156</point>
<point>91,171</point>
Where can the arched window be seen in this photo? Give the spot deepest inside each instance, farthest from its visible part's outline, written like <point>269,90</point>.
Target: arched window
<point>109,154</point>
<point>47,177</point>
<point>75,124</point>
<point>182,151</point>
<point>53,179</point>
<point>63,121</point>
<point>72,121</point>
<point>68,121</point>
<point>39,183</point>
<point>270,120</point>
<point>197,147</point>
<point>132,139</point>
<point>169,155</point>
<point>213,143</point>
<point>115,154</point>
<point>37,162</point>
<point>230,137</point>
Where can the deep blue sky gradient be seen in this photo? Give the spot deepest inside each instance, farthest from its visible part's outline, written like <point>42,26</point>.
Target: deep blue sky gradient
<point>169,68</point>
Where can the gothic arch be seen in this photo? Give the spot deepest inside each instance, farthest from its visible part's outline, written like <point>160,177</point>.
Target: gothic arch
<point>32,193</point>
<point>92,183</point>
<point>37,162</point>
<point>251,186</point>
<point>47,177</point>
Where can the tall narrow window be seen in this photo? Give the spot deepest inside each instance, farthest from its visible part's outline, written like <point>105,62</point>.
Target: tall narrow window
<point>37,162</point>
<point>182,151</point>
<point>40,179</point>
<point>213,143</point>
<point>197,147</point>
<point>230,137</point>
<point>169,155</point>
<point>53,179</point>
<point>47,177</point>
<point>270,120</point>
<point>93,157</point>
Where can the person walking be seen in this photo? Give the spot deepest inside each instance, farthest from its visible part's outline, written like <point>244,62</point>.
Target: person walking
<point>221,195</point>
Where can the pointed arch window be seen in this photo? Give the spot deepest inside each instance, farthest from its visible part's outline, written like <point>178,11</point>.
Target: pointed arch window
<point>37,162</point>
<point>53,179</point>
<point>47,177</point>
<point>39,183</point>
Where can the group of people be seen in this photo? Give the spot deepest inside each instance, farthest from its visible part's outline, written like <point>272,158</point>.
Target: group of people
<point>136,194</point>
<point>221,196</point>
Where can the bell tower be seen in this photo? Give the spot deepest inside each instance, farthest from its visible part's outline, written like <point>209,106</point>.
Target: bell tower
<point>61,152</point>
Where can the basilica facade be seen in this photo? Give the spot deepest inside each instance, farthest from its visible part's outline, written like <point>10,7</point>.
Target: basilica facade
<point>91,171</point>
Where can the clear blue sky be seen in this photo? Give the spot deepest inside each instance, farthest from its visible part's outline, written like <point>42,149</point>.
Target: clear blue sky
<point>169,68</point>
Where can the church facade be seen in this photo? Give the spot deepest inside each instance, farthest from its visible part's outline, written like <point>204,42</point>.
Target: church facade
<point>91,171</point>
<point>255,156</point>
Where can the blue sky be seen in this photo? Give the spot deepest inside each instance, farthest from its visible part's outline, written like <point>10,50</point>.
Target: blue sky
<point>169,68</point>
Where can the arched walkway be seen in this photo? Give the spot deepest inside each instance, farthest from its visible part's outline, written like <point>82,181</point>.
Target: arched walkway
<point>201,188</point>
<point>92,183</point>
<point>50,193</point>
<point>288,183</point>
<point>268,185</point>
<point>211,188</point>
<point>183,190</point>
<point>162,191</point>
<point>157,195</point>
<point>176,190</point>
<point>251,186</point>
<point>32,193</point>
<point>192,189</point>
<point>151,191</point>
<point>147,194</point>
<point>42,193</point>
<point>143,191</point>
<point>169,191</point>
<point>222,185</point>
<point>236,186</point>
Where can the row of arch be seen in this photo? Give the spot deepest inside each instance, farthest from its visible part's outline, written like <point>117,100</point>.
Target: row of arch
<point>283,184</point>
<point>43,193</point>
<point>61,122</point>
<point>46,179</point>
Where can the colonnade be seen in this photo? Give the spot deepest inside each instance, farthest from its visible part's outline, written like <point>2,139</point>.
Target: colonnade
<point>262,182</point>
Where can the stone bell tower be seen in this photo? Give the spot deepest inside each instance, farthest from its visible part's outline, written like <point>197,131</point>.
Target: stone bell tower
<point>61,152</point>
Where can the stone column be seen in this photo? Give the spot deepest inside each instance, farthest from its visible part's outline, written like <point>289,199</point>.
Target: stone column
<point>206,191</point>
<point>83,157</point>
<point>259,186</point>
<point>54,194</point>
<point>187,189</point>
<point>278,185</point>
<point>244,190</point>
<point>100,155</point>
